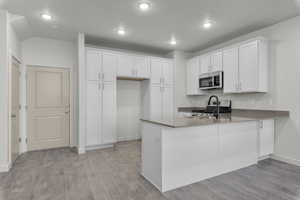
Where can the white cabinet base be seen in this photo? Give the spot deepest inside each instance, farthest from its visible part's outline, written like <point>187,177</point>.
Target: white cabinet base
<point>175,157</point>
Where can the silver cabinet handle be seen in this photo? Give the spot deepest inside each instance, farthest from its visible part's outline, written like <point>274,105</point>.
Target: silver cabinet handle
<point>99,75</point>
<point>103,76</point>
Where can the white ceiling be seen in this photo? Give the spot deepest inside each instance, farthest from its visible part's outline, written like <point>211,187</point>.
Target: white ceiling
<point>179,18</point>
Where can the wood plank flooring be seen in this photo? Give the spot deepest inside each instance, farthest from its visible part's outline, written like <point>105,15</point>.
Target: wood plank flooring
<point>110,174</point>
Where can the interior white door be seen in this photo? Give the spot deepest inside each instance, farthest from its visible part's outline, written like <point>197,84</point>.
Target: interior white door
<point>141,64</point>
<point>108,113</point>
<point>93,64</point>
<point>248,67</point>
<point>48,107</point>
<point>168,105</point>
<point>217,61</point>
<point>15,102</point>
<point>109,67</point>
<point>93,113</point>
<point>156,70</point>
<point>156,102</point>
<point>168,73</point>
<point>125,66</point>
<point>231,70</point>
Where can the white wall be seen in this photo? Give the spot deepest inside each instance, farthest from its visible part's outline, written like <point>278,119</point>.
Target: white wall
<point>51,53</point>
<point>284,84</point>
<point>4,100</point>
<point>128,110</point>
<point>48,52</point>
<point>14,43</point>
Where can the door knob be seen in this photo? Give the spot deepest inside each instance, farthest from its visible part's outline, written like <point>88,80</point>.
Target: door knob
<point>67,112</point>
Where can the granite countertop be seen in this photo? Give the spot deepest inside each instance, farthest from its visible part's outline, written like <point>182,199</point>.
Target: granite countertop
<point>197,121</point>
<point>258,113</point>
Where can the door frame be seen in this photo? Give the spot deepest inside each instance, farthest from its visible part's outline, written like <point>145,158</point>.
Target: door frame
<point>72,138</point>
<point>13,60</point>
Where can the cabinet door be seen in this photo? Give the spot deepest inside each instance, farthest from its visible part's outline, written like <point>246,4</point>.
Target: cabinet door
<point>125,66</point>
<point>168,103</point>
<point>266,137</point>
<point>248,67</point>
<point>108,113</point>
<point>193,72</point>
<point>93,116</point>
<point>93,65</point>
<point>142,67</point>
<point>216,61</point>
<point>205,64</point>
<point>109,66</point>
<point>189,78</point>
<point>168,73</point>
<point>238,145</point>
<point>156,70</point>
<point>156,102</point>
<point>231,70</point>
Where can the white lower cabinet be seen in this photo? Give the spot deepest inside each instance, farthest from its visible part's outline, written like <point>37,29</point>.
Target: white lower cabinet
<point>266,137</point>
<point>101,113</point>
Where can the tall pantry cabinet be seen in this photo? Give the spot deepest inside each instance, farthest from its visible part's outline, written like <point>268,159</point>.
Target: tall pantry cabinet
<point>100,97</point>
<point>158,98</point>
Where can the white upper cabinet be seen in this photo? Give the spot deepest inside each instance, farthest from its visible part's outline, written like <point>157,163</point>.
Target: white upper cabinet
<point>131,66</point>
<point>93,64</point>
<point>109,67</point>
<point>211,62</point>
<point>246,67</point>
<point>156,70</point>
<point>192,72</point>
<point>125,66</point>
<point>162,71</point>
<point>249,67</point>
<point>205,63</point>
<point>168,73</point>
<point>142,66</point>
<point>216,61</point>
<point>231,69</point>
<point>101,66</point>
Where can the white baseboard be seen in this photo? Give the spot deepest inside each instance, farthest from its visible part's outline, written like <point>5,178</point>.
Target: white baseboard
<point>5,167</point>
<point>104,146</point>
<point>286,160</point>
<point>264,157</point>
<point>124,139</point>
<point>80,150</point>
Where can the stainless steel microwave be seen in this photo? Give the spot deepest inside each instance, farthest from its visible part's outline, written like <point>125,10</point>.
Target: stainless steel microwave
<point>213,80</point>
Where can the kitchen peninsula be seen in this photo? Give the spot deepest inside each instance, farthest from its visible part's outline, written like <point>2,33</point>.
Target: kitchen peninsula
<point>187,150</point>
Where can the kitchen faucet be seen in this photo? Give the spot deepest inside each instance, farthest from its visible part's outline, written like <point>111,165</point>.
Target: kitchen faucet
<point>217,115</point>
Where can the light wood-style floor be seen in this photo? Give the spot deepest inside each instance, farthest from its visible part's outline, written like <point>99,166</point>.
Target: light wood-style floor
<point>114,175</point>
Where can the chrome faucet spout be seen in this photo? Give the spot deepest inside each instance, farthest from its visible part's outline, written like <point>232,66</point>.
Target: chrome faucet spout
<point>216,114</point>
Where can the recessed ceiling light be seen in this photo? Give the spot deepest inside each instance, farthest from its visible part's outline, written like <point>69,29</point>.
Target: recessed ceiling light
<point>121,31</point>
<point>46,17</point>
<point>144,5</point>
<point>173,42</point>
<point>207,24</point>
